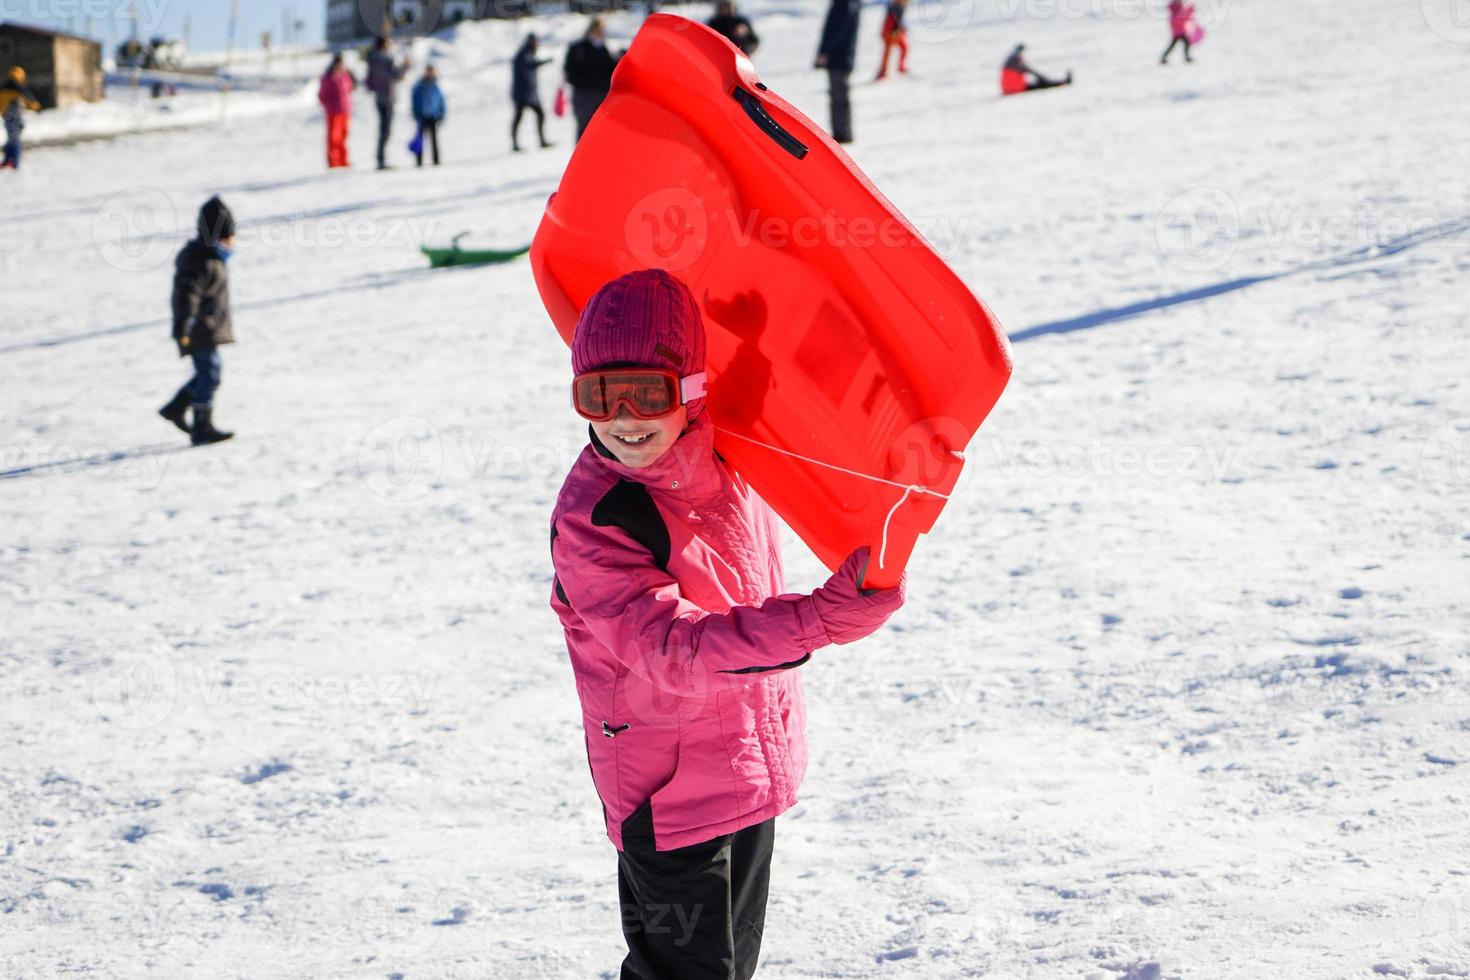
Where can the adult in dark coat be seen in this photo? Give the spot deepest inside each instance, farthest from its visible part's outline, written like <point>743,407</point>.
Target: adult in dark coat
<point>734,27</point>
<point>201,308</point>
<point>837,54</point>
<point>588,69</point>
<point>383,76</point>
<point>524,91</point>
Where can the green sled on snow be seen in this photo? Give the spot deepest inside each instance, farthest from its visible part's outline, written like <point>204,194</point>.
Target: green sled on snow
<point>443,258</point>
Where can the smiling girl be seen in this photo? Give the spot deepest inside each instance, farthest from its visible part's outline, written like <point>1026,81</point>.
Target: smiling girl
<point>668,585</point>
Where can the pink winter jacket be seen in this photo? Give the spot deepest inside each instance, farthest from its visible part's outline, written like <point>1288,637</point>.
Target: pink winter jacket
<point>1180,14</point>
<point>668,586</point>
<point>335,92</point>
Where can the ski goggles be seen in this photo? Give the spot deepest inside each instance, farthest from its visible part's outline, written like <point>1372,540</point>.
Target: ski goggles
<point>649,393</point>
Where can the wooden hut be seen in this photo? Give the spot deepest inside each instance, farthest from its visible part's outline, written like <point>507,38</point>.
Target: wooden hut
<point>62,69</point>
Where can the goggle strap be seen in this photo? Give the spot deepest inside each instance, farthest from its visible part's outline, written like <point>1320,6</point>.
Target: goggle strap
<point>692,387</point>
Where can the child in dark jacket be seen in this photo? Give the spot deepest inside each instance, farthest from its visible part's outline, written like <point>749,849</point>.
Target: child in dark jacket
<point>15,97</point>
<point>683,641</point>
<point>201,307</point>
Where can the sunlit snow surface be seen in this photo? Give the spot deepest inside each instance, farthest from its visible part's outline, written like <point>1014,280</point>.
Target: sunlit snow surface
<point>1182,688</point>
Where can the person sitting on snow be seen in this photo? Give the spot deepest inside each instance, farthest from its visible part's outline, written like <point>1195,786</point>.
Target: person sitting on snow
<point>1017,76</point>
<point>14,97</point>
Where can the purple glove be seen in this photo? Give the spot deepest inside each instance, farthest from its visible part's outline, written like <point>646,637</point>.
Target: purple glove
<point>849,612</point>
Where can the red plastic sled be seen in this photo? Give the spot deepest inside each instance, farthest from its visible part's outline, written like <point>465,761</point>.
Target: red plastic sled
<point>836,334</point>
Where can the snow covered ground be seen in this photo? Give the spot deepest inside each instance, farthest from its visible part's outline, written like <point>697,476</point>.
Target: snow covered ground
<point>1183,685</point>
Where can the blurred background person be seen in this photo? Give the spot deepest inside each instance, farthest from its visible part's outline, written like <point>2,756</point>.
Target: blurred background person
<point>735,28</point>
<point>429,110</point>
<point>335,95</point>
<point>525,91</point>
<point>588,69</point>
<point>836,54</point>
<point>14,99</point>
<point>383,76</point>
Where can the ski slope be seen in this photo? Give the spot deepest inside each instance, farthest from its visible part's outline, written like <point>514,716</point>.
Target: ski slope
<point>1182,688</point>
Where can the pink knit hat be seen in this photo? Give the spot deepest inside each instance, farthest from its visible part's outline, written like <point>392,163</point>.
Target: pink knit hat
<point>645,318</point>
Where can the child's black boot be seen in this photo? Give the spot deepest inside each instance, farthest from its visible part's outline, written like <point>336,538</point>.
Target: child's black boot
<point>204,431</point>
<point>177,411</point>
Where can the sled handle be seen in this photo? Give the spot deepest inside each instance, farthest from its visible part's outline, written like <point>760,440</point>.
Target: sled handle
<point>773,129</point>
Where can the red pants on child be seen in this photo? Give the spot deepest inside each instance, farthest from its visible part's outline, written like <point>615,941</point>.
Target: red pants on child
<point>337,139</point>
<point>891,40</point>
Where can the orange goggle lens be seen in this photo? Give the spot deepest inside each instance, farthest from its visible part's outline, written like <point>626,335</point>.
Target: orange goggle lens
<point>649,394</point>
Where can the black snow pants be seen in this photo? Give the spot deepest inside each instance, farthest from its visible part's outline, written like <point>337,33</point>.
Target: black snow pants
<point>697,912</point>
<point>1178,39</point>
<point>839,98</point>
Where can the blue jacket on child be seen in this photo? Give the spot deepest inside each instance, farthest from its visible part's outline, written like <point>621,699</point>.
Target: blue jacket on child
<point>428,100</point>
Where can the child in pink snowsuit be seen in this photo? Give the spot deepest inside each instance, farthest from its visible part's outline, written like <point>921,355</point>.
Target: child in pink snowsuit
<point>683,643</point>
<point>1181,27</point>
